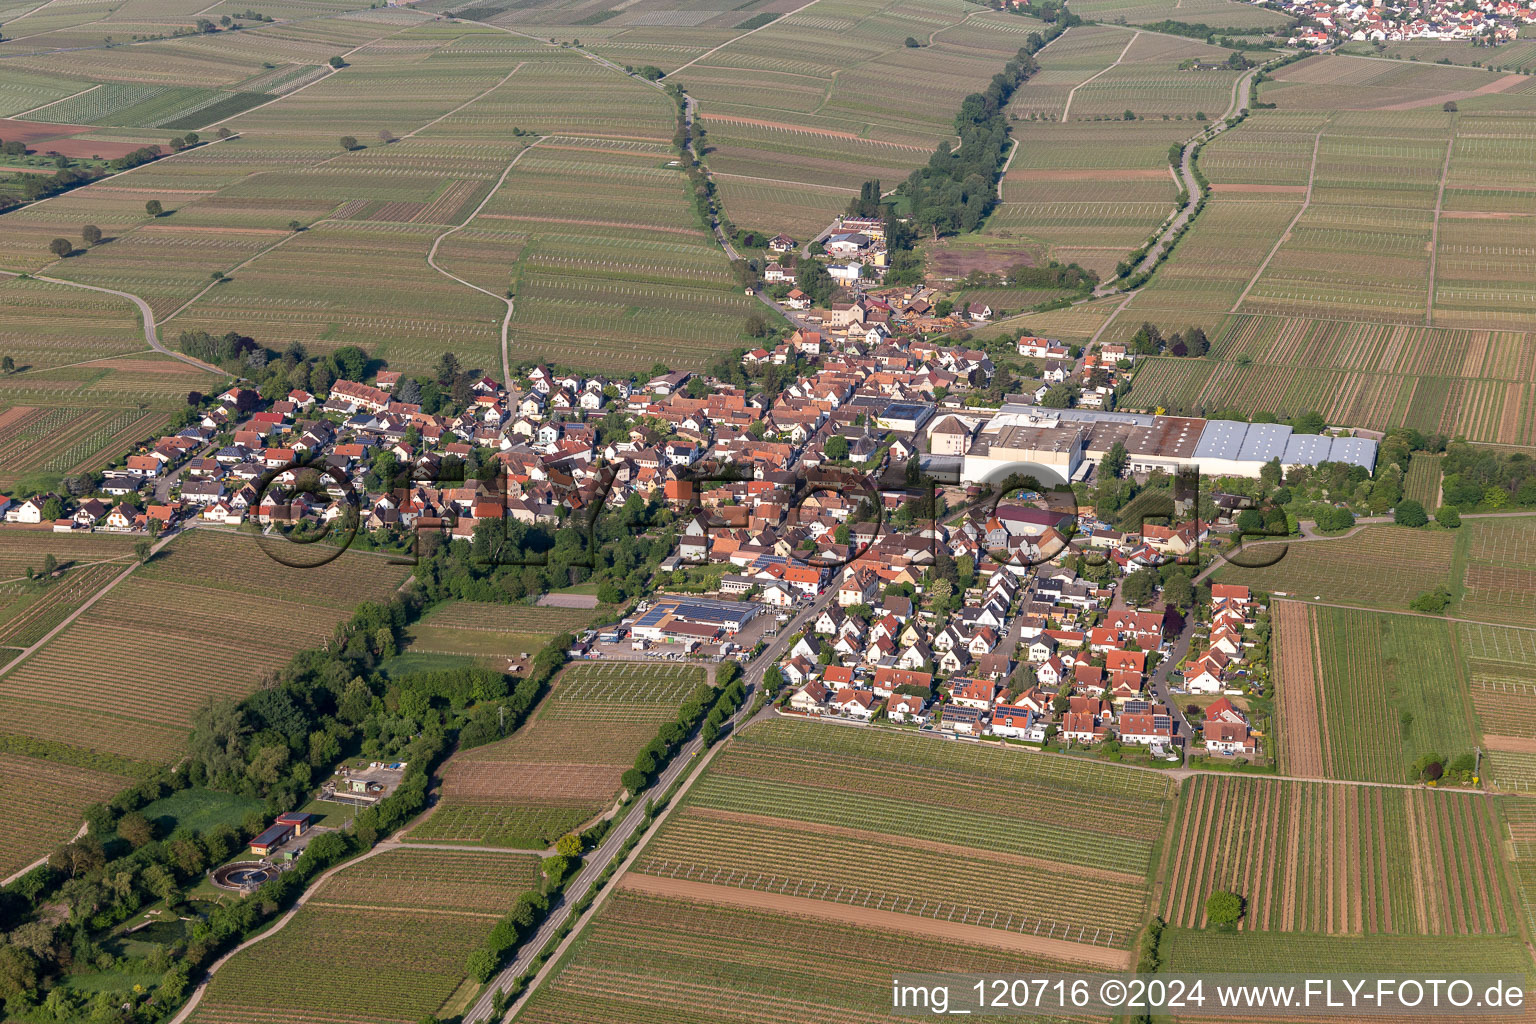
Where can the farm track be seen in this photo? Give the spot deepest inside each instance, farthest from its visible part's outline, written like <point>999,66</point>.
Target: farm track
<point>1301,743</point>
<point>1434,228</point>
<point>506,321</point>
<point>737,39</point>
<point>1067,108</point>
<point>1285,236</point>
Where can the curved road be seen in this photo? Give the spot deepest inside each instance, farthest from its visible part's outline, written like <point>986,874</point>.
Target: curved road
<point>1191,185</point>
<point>506,321</point>
<point>151,335</point>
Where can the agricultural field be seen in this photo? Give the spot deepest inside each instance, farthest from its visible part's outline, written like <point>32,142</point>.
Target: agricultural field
<point>1378,567</point>
<point>1216,13</point>
<point>45,443</point>
<point>1456,382</point>
<point>1498,662</point>
<point>674,957</point>
<point>1519,817</point>
<point>1339,860</point>
<point>24,549</point>
<point>498,632</point>
<point>1499,584</point>
<point>785,794</point>
<point>1184,950</point>
<point>1411,313</point>
<point>800,112</point>
<point>434,907</point>
<point>1517,56</point>
<point>45,801</point>
<point>562,767</point>
<point>596,282</point>
<point>1083,182</point>
<point>614,269</point>
<point>44,605</point>
<point>1388,688</point>
<point>472,882</point>
<point>1422,483</point>
<point>201,622</point>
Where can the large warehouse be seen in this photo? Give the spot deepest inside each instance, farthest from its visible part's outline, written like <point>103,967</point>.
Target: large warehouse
<point>1071,441</point>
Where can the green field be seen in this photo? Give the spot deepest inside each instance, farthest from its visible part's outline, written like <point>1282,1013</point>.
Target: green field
<point>1392,689</point>
<point>1377,567</point>
<point>167,667</point>
<point>435,907</point>
<point>199,810</point>
<point>783,791</point>
<point>562,767</point>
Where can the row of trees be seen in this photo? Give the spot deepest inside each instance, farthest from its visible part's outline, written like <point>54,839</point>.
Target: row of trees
<point>274,746</point>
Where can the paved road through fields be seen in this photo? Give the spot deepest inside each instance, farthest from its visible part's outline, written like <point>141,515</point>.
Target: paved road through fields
<point>684,764</point>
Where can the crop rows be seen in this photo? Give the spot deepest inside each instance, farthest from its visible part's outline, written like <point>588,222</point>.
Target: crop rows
<point>620,692</point>
<point>1382,566</point>
<point>511,618</point>
<point>1071,841</point>
<point>1310,857</point>
<point>525,826</point>
<point>563,766</point>
<point>44,801</point>
<point>645,960</point>
<point>712,847</point>
<point>1505,707</point>
<point>1144,791</point>
<point>471,881</point>
<point>425,963</point>
<point>56,602</point>
<point>1500,576</point>
<point>1391,690</point>
<point>1214,950</point>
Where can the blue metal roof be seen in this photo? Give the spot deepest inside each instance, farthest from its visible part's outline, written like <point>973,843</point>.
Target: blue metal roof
<point>1221,439</point>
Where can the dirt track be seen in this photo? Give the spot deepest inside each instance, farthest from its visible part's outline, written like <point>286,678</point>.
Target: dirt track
<point>1497,85</point>
<point>1300,740</point>
<point>1056,949</point>
<point>1512,744</point>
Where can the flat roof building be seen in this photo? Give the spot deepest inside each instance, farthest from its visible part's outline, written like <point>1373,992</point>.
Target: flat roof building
<point>1068,440</point>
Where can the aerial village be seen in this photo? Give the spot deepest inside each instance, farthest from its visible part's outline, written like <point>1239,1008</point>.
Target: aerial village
<point>1485,21</point>
<point>938,605</point>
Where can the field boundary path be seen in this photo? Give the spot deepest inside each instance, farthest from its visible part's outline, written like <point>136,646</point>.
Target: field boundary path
<point>1067,108</point>
<point>79,834</point>
<point>151,334</point>
<point>1285,236</point>
<point>72,616</point>
<point>506,321</point>
<point>1434,227</point>
<point>384,846</point>
<point>1195,193</point>
<point>737,39</point>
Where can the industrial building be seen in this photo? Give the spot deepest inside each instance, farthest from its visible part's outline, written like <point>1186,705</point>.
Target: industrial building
<point>1071,441</point>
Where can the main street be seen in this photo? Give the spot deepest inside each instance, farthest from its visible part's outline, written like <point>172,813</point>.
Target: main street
<point>684,765</point>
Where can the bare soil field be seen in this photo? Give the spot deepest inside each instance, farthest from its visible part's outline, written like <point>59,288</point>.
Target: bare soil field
<point>1301,745</point>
